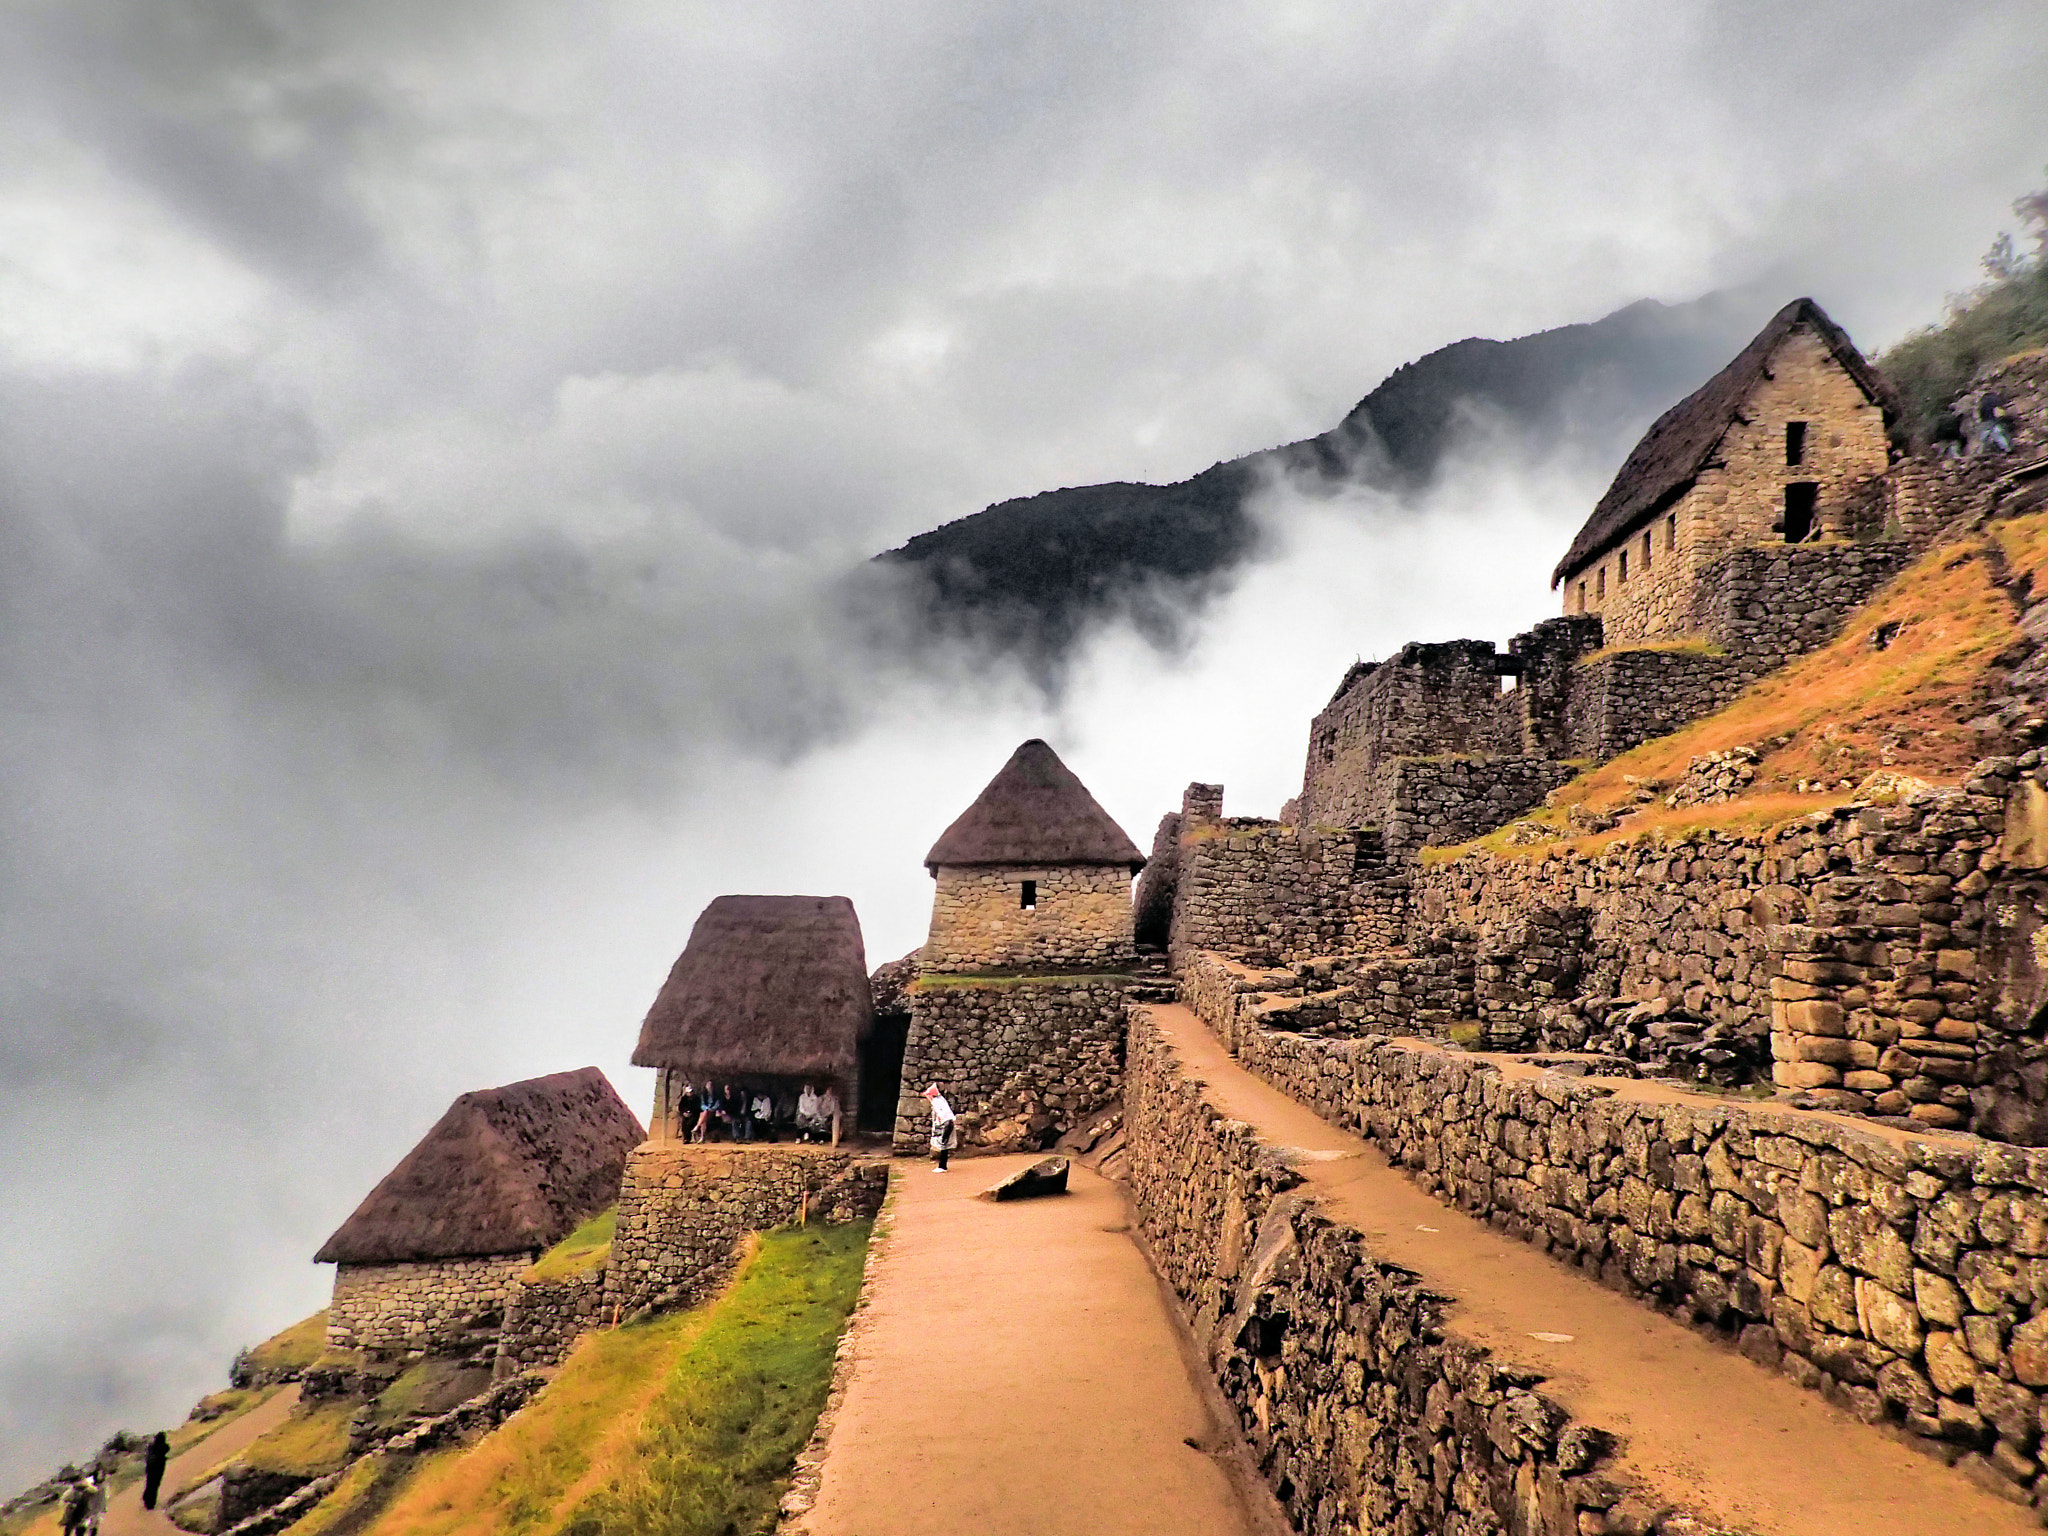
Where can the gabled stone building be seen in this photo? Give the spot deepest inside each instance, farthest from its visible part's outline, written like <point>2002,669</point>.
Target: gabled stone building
<point>506,1173</point>
<point>1784,445</point>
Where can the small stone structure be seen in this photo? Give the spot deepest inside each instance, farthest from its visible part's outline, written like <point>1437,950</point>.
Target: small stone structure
<point>1033,876</point>
<point>427,1258</point>
<point>1784,443</point>
<point>1018,1009</point>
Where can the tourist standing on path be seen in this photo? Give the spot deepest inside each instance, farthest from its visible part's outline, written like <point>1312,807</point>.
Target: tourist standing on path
<point>96,1507</point>
<point>154,1460</point>
<point>945,1131</point>
<point>828,1110</point>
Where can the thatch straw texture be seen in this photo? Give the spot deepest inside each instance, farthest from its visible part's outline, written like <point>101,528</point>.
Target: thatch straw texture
<point>768,986</point>
<point>1662,467</point>
<point>505,1170</point>
<point>1034,813</point>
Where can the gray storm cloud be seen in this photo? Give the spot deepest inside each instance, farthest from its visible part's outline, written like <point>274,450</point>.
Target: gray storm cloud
<point>439,447</point>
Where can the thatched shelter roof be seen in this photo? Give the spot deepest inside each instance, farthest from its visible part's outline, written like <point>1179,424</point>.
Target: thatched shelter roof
<point>767,986</point>
<point>1034,813</point>
<point>505,1170</point>
<point>1663,465</point>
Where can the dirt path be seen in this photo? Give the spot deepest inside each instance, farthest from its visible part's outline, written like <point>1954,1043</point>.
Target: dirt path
<point>1704,1427</point>
<point>125,1515</point>
<point>1018,1374</point>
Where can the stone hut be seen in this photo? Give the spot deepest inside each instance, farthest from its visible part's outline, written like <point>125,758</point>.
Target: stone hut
<point>506,1173</point>
<point>770,992</point>
<point>1784,445</point>
<point>1034,876</point>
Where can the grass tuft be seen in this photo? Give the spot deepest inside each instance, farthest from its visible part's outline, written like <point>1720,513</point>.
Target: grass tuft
<point>295,1348</point>
<point>585,1249</point>
<point>311,1443</point>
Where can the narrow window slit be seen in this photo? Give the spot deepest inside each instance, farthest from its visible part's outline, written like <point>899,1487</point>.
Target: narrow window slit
<point>1027,898</point>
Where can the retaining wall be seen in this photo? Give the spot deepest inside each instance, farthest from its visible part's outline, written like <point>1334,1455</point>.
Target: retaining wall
<point>1021,1059</point>
<point>545,1318</point>
<point>1906,1277</point>
<point>683,1210</point>
<point>1367,1413</point>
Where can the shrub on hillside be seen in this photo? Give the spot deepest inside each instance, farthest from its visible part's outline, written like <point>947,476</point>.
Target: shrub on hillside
<point>2006,313</point>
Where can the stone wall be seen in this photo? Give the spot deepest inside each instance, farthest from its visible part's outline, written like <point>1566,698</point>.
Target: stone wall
<point>1080,919</point>
<point>544,1319</point>
<point>1769,603</point>
<point>1421,701</point>
<point>1435,801</point>
<point>1621,699</point>
<point>1269,893</point>
<point>1366,1409</point>
<point>683,1210</point>
<point>384,1307</point>
<point>1152,903</point>
<point>1905,1277</point>
<point>1021,1059</point>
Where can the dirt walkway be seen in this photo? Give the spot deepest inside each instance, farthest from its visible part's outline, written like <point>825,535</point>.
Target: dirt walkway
<point>125,1515</point>
<point>1703,1427</point>
<point>1017,1373</point>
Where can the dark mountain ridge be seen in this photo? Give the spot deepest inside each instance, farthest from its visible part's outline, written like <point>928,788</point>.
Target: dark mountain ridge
<point>1033,574</point>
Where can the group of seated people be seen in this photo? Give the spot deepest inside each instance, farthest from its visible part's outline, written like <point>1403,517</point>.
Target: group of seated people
<point>728,1112</point>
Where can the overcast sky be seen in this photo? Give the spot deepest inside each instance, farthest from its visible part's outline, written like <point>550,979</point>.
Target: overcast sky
<point>433,439</point>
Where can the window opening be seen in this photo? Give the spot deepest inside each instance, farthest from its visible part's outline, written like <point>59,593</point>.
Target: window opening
<point>1582,597</point>
<point>1795,442</point>
<point>1600,583</point>
<point>1646,549</point>
<point>1621,569</point>
<point>1671,531</point>
<point>1801,499</point>
<point>1027,898</point>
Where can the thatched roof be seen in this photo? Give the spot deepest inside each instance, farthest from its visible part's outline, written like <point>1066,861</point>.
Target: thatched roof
<point>505,1170</point>
<point>1663,466</point>
<point>767,986</point>
<point>1034,812</point>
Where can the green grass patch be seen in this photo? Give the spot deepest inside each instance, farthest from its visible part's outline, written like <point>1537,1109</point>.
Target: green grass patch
<point>429,1387</point>
<point>1689,645</point>
<point>295,1348</point>
<point>312,1442</point>
<point>720,1439</point>
<point>1466,1034</point>
<point>687,1423</point>
<point>585,1249</point>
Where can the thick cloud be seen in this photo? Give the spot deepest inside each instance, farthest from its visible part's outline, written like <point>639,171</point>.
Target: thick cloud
<point>434,441</point>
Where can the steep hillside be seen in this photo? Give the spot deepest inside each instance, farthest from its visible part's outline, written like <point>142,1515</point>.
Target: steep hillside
<point>1907,691</point>
<point>1032,573</point>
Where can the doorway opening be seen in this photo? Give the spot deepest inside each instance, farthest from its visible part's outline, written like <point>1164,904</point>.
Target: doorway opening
<point>1802,498</point>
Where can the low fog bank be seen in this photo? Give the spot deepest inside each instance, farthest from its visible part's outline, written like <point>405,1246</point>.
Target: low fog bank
<point>314,830</point>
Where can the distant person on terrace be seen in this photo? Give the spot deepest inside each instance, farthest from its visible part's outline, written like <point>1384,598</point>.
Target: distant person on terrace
<point>828,1111</point>
<point>945,1128</point>
<point>808,1123</point>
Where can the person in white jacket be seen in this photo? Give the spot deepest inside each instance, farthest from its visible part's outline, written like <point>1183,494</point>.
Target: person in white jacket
<point>945,1130</point>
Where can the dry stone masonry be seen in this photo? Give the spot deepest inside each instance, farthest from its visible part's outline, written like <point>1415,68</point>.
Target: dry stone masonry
<point>1022,1060</point>
<point>1075,917</point>
<point>397,1307</point>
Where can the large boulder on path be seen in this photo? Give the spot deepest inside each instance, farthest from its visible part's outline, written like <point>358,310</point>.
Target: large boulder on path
<point>1048,1176</point>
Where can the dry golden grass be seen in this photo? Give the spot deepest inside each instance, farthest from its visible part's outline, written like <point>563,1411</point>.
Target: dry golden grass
<point>1846,710</point>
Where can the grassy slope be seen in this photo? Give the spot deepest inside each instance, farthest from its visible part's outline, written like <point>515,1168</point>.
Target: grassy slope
<point>1848,709</point>
<point>582,1250</point>
<point>685,1424</point>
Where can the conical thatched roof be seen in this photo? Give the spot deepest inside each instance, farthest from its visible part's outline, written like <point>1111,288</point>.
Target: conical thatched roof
<point>505,1170</point>
<point>1034,812</point>
<point>767,986</point>
<point>1662,467</point>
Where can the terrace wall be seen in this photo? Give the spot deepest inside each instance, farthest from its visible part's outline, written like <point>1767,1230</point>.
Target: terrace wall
<point>1903,1276</point>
